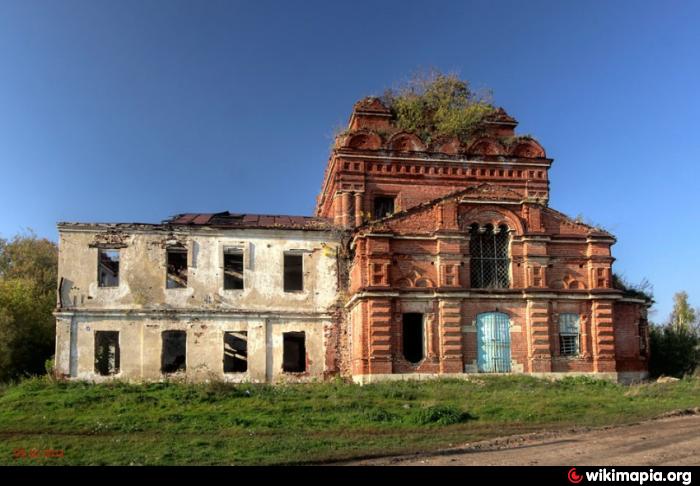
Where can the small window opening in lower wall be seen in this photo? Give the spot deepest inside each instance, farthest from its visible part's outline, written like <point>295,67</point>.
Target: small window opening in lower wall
<point>174,355</point>
<point>107,352</point>
<point>235,352</point>
<point>412,331</point>
<point>294,353</point>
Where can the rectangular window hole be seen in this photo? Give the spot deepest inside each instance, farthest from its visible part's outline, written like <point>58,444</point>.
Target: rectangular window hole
<point>293,272</point>
<point>177,268</point>
<point>233,269</point>
<point>383,206</point>
<point>174,354</point>
<point>106,352</point>
<point>108,268</point>
<point>235,352</point>
<point>294,352</point>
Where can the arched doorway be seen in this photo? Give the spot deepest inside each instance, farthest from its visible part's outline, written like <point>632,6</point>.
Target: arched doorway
<point>493,342</point>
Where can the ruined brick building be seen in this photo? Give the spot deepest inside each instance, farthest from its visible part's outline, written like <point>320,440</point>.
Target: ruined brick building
<point>423,259</point>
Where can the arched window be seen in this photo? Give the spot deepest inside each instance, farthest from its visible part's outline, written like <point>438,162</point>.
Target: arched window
<point>569,334</point>
<point>489,257</point>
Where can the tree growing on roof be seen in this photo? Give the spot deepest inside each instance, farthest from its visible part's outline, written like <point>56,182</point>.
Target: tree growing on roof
<point>434,104</point>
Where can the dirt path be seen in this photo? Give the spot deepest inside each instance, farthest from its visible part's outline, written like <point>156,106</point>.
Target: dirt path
<point>666,441</point>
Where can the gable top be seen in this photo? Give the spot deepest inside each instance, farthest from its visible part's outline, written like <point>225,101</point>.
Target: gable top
<point>486,192</point>
<point>482,192</point>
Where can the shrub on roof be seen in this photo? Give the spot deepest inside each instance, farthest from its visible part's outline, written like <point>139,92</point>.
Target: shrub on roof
<point>434,105</point>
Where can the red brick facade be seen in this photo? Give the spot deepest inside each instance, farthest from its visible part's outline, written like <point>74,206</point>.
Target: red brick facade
<point>417,260</point>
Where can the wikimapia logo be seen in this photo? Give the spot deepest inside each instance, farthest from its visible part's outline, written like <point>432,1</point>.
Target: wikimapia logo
<point>638,477</point>
<point>574,477</point>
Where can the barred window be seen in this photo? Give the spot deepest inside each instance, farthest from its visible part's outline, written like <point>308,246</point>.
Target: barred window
<point>568,334</point>
<point>489,257</point>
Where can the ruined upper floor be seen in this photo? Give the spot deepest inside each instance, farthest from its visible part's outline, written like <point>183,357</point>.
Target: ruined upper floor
<point>205,262</point>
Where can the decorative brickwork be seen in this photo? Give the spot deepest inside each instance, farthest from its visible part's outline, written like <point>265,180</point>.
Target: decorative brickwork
<point>455,206</point>
<point>424,257</point>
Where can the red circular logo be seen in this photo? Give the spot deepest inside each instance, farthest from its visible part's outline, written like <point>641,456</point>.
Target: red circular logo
<point>574,477</point>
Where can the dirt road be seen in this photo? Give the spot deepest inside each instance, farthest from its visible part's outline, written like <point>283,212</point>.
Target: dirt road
<point>666,441</point>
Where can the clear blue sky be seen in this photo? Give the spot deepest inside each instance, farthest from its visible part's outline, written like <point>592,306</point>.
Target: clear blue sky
<point>137,110</point>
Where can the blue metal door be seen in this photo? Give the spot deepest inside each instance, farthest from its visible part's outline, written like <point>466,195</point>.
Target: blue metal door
<point>493,342</point>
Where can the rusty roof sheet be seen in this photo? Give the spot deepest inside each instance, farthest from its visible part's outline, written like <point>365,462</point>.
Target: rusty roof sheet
<point>185,218</point>
<point>237,220</point>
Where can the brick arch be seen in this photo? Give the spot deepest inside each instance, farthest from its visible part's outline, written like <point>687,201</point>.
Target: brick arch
<point>486,146</point>
<point>573,283</point>
<point>364,140</point>
<point>492,215</point>
<point>528,149</point>
<point>568,283</point>
<point>406,142</point>
<point>447,145</point>
<point>415,278</point>
<point>496,309</point>
<point>424,283</point>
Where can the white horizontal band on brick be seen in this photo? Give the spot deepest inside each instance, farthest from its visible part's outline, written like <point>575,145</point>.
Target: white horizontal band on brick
<point>388,159</point>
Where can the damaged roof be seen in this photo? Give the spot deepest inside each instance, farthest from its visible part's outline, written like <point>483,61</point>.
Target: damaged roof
<point>239,220</point>
<point>223,220</point>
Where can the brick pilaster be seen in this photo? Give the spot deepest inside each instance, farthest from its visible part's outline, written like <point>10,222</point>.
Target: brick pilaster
<point>539,345</point>
<point>603,336</point>
<point>380,312</point>
<point>450,337</point>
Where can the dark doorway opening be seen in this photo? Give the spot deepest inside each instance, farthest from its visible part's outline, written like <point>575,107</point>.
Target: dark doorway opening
<point>174,356</point>
<point>235,352</point>
<point>107,352</point>
<point>413,337</point>
<point>294,353</point>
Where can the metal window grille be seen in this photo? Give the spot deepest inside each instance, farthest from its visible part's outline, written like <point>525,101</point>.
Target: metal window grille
<point>569,334</point>
<point>489,257</point>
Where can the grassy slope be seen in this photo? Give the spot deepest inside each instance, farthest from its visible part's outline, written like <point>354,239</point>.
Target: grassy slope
<point>168,423</point>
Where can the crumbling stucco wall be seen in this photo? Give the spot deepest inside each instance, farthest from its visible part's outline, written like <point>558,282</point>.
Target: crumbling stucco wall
<point>140,308</point>
<point>140,344</point>
<point>143,270</point>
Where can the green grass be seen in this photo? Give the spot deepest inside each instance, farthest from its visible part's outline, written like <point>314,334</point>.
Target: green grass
<point>169,423</point>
